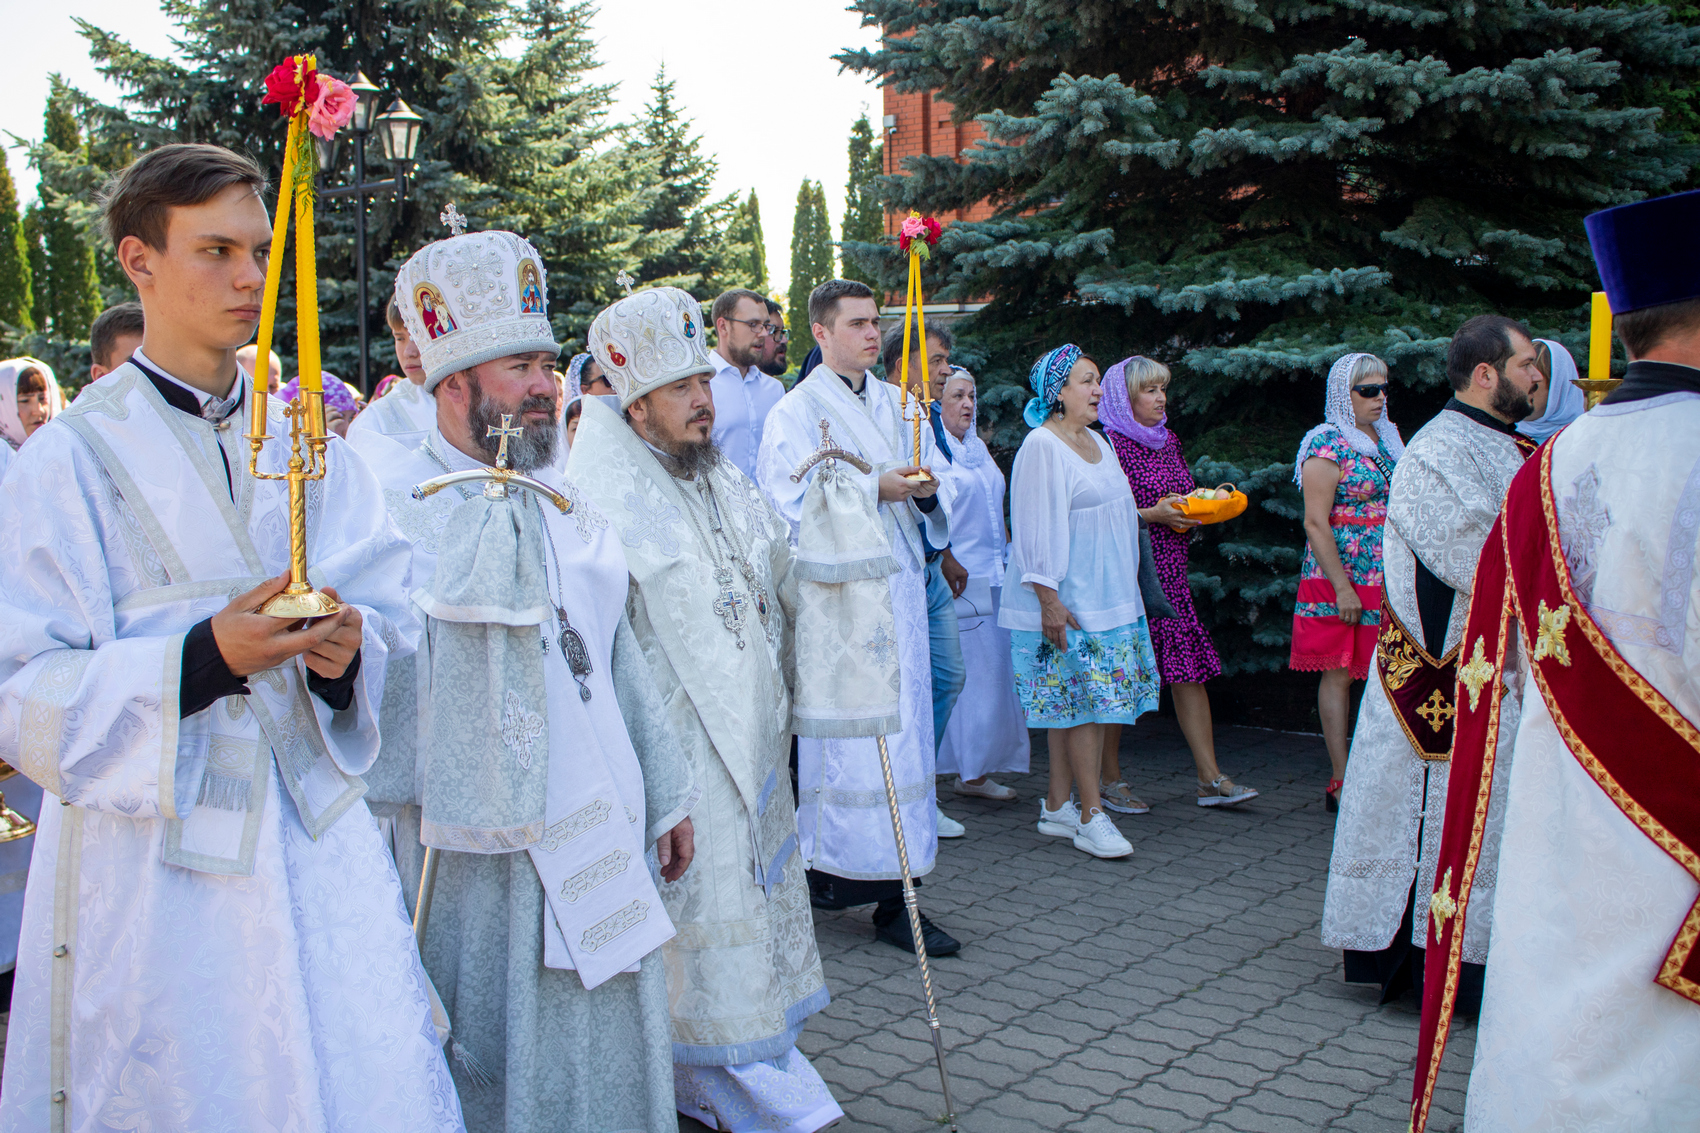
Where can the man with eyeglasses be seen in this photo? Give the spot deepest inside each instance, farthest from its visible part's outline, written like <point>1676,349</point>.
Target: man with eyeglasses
<point>773,361</point>
<point>743,394</point>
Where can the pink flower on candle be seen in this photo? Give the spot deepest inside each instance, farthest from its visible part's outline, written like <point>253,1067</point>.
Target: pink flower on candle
<point>912,227</point>
<point>332,109</point>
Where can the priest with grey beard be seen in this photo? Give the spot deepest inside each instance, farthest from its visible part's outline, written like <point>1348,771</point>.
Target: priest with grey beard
<point>526,742</point>
<point>711,606</point>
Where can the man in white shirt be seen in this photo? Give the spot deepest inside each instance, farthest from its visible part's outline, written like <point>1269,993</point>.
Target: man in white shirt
<point>743,395</point>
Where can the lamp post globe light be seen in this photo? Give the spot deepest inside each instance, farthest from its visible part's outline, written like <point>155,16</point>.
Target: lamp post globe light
<point>398,131</point>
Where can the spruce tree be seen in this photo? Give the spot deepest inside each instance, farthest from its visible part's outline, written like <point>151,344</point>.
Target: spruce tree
<point>515,141</point>
<point>73,285</point>
<point>1247,191</point>
<point>864,214</point>
<point>16,301</point>
<point>811,262</point>
<point>695,228</point>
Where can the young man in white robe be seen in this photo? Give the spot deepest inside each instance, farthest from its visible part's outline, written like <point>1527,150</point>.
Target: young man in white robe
<point>406,413</point>
<point>213,935</point>
<point>1591,1014</point>
<point>543,932</point>
<point>842,819</point>
<point>712,603</point>
<point>1446,491</point>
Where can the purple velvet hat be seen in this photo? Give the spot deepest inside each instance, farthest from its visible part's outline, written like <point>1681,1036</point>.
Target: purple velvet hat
<point>1648,252</point>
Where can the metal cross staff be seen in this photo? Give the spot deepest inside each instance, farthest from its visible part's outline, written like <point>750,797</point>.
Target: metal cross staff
<point>507,433</point>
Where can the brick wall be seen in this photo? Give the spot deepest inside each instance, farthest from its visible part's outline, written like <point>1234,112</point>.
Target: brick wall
<point>924,127</point>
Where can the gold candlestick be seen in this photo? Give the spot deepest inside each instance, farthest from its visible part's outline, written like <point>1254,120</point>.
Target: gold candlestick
<point>300,599</point>
<point>1599,381</point>
<point>12,824</point>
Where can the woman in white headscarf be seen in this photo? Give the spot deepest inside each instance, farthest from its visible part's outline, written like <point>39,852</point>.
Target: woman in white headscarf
<point>987,733</point>
<point>1558,402</point>
<point>1345,466</point>
<point>29,397</point>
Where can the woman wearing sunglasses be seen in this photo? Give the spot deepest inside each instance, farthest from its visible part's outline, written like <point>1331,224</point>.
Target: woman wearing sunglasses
<point>1344,466</point>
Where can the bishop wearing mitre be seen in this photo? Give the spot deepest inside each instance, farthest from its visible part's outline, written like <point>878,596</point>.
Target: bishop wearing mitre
<point>213,935</point>
<point>712,604</point>
<point>1584,612</point>
<point>526,747</point>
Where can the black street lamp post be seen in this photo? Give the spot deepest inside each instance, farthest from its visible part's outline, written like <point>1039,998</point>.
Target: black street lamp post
<point>398,130</point>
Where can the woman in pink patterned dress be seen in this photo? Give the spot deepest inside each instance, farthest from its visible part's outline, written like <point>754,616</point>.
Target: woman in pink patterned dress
<point>1345,467</point>
<point>1134,414</point>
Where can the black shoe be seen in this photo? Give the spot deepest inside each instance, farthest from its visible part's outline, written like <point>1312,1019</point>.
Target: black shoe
<point>821,896</point>
<point>897,933</point>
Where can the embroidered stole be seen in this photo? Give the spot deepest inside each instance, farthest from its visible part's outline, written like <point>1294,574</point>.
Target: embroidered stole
<point>1419,685</point>
<point>173,492</point>
<point>1631,741</point>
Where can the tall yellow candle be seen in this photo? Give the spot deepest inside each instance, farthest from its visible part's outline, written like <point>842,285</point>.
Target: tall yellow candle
<point>1599,339</point>
<point>274,277</point>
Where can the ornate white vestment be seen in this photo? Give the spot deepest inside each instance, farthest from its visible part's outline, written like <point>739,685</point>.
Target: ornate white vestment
<point>406,414</point>
<point>842,818</point>
<point>1574,1033</point>
<point>213,931</point>
<point>744,972</point>
<point>1446,491</point>
<point>583,1056</point>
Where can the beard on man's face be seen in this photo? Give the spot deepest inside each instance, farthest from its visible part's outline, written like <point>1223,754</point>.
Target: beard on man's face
<point>688,455</point>
<point>1510,402</point>
<point>534,448</point>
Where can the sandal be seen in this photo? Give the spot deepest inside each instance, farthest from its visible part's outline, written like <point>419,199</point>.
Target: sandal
<point>1223,791</point>
<point>1331,799</point>
<point>1119,797</point>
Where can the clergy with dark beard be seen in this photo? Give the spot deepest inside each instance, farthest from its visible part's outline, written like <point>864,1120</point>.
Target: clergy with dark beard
<point>1445,494</point>
<point>712,606</point>
<point>527,743</point>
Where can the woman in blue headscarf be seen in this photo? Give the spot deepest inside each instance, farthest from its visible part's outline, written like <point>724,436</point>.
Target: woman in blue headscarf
<point>1078,635</point>
<point>1558,402</point>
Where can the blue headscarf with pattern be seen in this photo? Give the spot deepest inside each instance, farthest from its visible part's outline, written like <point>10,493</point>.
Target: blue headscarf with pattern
<point>1049,374</point>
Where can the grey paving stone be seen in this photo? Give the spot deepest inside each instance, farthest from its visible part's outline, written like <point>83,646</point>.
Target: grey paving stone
<point>1184,989</point>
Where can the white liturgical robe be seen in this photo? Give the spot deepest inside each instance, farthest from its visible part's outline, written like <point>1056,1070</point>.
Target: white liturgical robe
<point>406,414</point>
<point>1448,487</point>
<point>842,818</point>
<point>1574,1032</point>
<point>213,936</point>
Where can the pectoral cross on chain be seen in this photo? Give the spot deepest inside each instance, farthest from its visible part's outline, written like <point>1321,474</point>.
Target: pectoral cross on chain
<point>730,605</point>
<point>507,433</point>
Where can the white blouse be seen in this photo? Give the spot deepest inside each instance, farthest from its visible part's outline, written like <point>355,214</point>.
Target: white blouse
<point>976,517</point>
<point>1076,530</point>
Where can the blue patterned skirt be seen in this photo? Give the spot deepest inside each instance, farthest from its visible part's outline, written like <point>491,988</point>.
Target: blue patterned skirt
<point>1107,677</point>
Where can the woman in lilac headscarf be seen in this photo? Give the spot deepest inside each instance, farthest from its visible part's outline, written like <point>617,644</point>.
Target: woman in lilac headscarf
<point>1134,412</point>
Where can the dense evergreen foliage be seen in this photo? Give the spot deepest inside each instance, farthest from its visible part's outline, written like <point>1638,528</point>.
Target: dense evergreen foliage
<point>1248,190</point>
<point>17,316</point>
<point>746,245</point>
<point>811,264</point>
<point>864,214</point>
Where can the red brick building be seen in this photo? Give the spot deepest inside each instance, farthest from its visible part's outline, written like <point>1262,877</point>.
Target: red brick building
<point>918,123</point>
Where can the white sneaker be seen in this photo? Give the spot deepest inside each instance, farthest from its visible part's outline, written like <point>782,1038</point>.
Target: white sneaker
<point>949,827</point>
<point>986,790</point>
<point>1059,823</point>
<point>1100,838</point>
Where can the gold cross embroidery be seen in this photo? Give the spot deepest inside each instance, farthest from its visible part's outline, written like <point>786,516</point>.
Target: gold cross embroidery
<point>1436,710</point>
<point>1475,675</point>
<point>1441,906</point>
<point>1550,643</point>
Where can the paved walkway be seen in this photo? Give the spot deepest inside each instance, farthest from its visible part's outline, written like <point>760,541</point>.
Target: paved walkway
<point>1184,988</point>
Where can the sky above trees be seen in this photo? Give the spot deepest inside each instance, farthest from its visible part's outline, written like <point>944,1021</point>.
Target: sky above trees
<point>759,85</point>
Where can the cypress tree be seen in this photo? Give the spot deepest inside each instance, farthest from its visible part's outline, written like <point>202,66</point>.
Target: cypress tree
<point>41,303</point>
<point>811,261</point>
<point>16,300</point>
<point>864,215</point>
<point>746,247</point>
<point>73,284</point>
<point>516,141</point>
<point>1247,191</point>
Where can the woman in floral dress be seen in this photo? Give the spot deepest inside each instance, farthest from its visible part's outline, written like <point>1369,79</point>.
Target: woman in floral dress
<point>1345,466</point>
<point>1078,640</point>
<point>1134,414</point>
